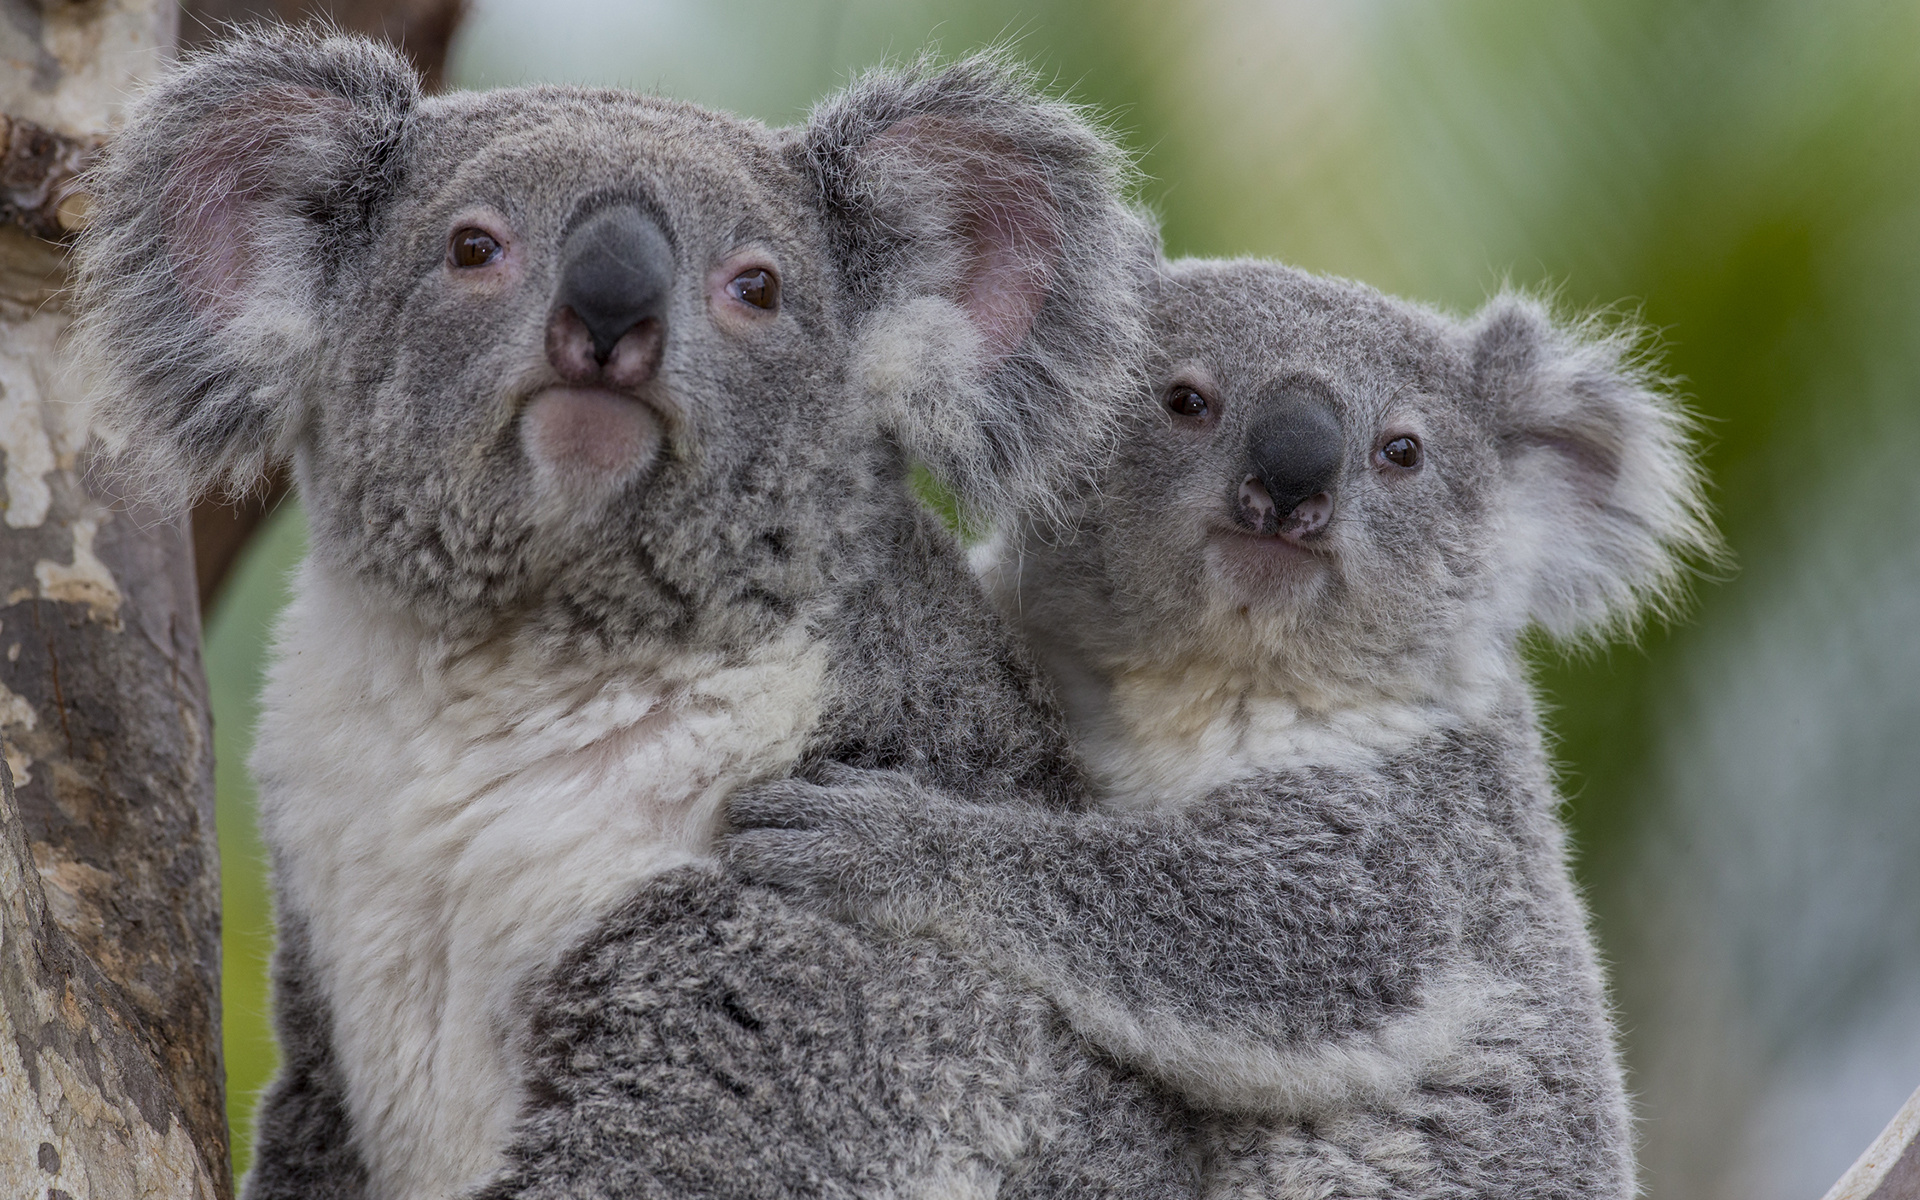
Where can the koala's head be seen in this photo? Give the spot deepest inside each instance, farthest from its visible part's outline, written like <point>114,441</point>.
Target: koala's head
<point>624,363</point>
<point>1351,495</point>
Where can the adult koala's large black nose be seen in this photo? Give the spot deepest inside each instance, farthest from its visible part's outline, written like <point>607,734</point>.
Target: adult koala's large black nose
<point>1295,449</point>
<point>616,270</point>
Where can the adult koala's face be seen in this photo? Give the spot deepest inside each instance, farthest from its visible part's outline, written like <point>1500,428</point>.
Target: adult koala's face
<point>595,338</point>
<point>620,364</point>
<point>1360,495</point>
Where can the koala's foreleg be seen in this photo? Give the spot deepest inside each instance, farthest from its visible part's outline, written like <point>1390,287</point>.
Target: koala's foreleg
<point>1286,945</point>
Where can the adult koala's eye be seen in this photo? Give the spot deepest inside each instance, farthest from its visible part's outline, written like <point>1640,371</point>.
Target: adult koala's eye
<point>1402,452</point>
<point>474,247</point>
<point>1183,401</point>
<point>757,287</point>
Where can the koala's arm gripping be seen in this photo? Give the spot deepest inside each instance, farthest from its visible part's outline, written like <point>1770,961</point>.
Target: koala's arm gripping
<point>1271,942</point>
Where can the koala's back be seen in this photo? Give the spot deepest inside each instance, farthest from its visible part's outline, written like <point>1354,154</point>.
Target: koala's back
<point>1522,1096</point>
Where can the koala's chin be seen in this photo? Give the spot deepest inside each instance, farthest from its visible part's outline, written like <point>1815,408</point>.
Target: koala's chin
<point>587,446</point>
<point>1267,574</point>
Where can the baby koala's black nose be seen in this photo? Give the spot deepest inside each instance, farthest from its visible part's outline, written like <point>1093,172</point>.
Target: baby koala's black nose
<point>1295,450</point>
<point>616,271</point>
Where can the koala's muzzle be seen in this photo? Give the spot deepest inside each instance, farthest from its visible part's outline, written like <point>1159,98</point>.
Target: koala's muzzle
<point>599,432</point>
<point>610,309</point>
<point>1295,450</point>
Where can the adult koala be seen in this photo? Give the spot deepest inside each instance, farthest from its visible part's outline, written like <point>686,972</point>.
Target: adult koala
<point>601,407</point>
<point>1324,898</point>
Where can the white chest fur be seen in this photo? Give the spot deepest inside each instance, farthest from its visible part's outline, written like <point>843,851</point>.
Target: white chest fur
<point>449,825</point>
<point>1166,737</point>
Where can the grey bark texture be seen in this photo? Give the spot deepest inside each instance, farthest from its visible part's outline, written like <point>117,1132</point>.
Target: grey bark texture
<point>111,1080</point>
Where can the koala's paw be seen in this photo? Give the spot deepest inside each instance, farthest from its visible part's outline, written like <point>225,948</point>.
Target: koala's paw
<point>850,840</point>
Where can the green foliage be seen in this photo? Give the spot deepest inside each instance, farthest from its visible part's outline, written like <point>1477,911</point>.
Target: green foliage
<point>237,635</point>
<point>943,504</point>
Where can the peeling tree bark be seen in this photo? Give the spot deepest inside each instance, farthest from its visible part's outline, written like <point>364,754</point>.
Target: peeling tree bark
<point>111,1082</point>
<point>84,1109</point>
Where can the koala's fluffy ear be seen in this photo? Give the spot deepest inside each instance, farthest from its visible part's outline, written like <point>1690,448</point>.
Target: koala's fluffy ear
<point>238,188</point>
<point>1603,505</point>
<point>996,268</point>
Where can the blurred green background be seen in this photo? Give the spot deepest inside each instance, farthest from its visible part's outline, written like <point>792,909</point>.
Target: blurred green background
<point>1745,785</point>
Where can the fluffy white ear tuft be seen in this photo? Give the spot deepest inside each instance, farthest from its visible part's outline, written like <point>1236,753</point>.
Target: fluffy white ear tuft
<point>1604,503</point>
<point>908,357</point>
<point>238,185</point>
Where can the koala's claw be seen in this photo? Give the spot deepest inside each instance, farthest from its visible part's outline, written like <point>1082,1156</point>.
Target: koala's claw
<point>840,775</point>
<point>791,834</point>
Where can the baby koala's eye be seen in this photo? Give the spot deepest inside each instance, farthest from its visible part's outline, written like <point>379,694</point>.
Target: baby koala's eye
<point>1183,401</point>
<point>1402,452</point>
<point>474,247</point>
<point>757,287</point>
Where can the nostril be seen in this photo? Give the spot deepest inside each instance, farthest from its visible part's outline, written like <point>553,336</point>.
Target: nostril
<point>633,359</point>
<point>1308,518</point>
<point>627,363</point>
<point>1255,508</point>
<point>570,348</point>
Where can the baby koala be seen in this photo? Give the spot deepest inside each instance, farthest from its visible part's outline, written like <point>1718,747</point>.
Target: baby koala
<point>1323,894</point>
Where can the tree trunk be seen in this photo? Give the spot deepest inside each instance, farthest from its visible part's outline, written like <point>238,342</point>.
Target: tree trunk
<point>111,1082</point>
<point>1890,1168</point>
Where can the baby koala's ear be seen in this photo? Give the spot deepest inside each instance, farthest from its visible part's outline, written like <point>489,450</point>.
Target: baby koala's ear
<point>241,185</point>
<point>1603,502</point>
<point>996,269</point>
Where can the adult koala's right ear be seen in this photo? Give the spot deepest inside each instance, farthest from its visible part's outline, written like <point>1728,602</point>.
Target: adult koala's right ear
<point>238,187</point>
<point>997,271</point>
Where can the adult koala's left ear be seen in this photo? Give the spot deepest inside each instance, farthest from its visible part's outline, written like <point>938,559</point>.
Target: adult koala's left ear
<point>242,189</point>
<point>996,270</point>
<point>1603,503</point>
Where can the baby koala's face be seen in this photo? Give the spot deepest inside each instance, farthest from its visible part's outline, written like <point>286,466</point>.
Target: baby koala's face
<point>1345,495</point>
<point>1306,471</point>
<point>1309,450</point>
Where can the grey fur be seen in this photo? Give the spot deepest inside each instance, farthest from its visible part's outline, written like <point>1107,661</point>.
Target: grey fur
<point>314,167</point>
<point>1355,949</point>
<point>264,276</point>
<point>268,274</point>
<point>302,1139</point>
<point>806,1058</point>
